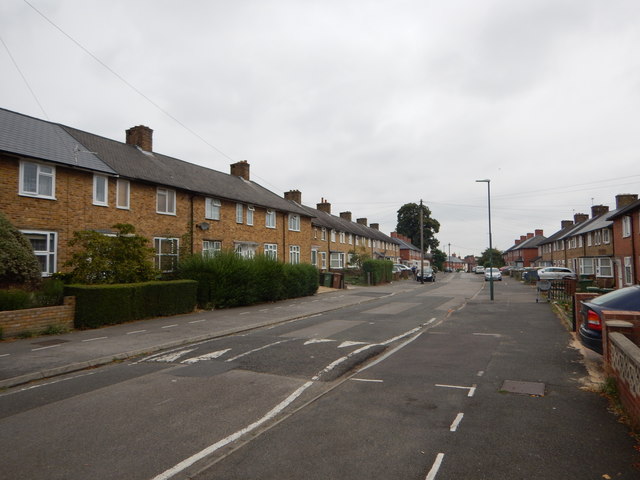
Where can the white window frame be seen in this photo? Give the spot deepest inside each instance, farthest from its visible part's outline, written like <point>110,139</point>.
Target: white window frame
<point>270,218</point>
<point>245,249</point>
<point>123,185</point>
<point>46,258</point>
<point>211,247</point>
<point>239,213</point>
<point>212,207</point>
<point>323,258</point>
<point>589,239</point>
<point>342,237</point>
<point>100,198</point>
<point>250,214</point>
<point>314,257</point>
<point>586,266</point>
<point>604,267</point>
<point>165,201</point>
<point>294,222</point>
<point>271,250</point>
<point>626,226</point>
<point>41,175</point>
<point>333,235</point>
<point>336,260</point>
<point>324,233</point>
<point>160,255</point>
<point>628,271</point>
<point>606,236</point>
<point>294,254</point>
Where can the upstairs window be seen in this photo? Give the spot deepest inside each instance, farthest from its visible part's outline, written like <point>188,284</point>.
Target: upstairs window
<point>122,194</point>
<point>166,201</point>
<point>250,211</point>
<point>37,180</point>
<point>294,222</point>
<point>239,213</point>
<point>270,219</point>
<point>626,226</point>
<point>100,190</point>
<point>212,209</point>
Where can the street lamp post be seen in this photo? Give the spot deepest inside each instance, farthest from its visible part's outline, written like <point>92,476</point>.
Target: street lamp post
<point>488,182</point>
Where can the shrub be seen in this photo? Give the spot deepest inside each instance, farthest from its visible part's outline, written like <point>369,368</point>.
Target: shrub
<point>102,259</point>
<point>14,299</point>
<point>379,270</point>
<point>98,305</point>
<point>18,264</point>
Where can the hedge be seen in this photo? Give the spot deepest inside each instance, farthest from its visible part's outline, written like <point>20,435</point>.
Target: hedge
<point>380,270</point>
<point>228,280</point>
<point>99,305</point>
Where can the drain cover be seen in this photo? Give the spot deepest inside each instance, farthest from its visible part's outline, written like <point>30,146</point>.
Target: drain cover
<point>523,388</point>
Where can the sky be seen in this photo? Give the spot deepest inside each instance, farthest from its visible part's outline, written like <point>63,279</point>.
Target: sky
<point>367,104</point>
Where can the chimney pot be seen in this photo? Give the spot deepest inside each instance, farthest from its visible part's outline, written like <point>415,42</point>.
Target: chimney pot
<point>375,226</point>
<point>346,215</point>
<point>362,221</point>
<point>240,169</point>
<point>566,224</point>
<point>539,233</point>
<point>580,217</point>
<point>597,210</point>
<point>624,199</point>
<point>324,206</point>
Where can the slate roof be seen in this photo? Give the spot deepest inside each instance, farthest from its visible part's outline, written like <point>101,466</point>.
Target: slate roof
<point>532,242</point>
<point>131,162</point>
<point>624,210</point>
<point>41,140</point>
<point>406,245</point>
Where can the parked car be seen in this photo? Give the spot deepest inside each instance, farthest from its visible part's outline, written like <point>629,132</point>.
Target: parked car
<point>400,267</point>
<point>492,272</point>
<point>555,273</point>
<point>479,269</point>
<point>627,298</point>
<point>427,275</point>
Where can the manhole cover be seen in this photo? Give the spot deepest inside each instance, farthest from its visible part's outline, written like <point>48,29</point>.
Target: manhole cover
<point>523,388</point>
<point>48,343</point>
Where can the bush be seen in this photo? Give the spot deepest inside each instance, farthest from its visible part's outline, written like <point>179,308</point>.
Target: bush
<point>50,294</point>
<point>228,280</point>
<point>99,305</point>
<point>18,264</point>
<point>14,299</point>
<point>380,270</point>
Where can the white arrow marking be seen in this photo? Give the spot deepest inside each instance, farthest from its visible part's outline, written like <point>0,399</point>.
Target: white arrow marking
<point>207,356</point>
<point>350,344</point>
<point>318,340</point>
<point>171,357</point>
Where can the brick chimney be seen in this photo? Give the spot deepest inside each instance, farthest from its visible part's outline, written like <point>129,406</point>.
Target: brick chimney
<point>625,199</point>
<point>375,226</point>
<point>597,210</point>
<point>566,224</point>
<point>529,235</point>
<point>141,137</point>
<point>517,241</point>
<point>294,195</point>
<point>580,217</point>
<point>346,216</point>
<point>324,206</point>
<point>539,233</point>
<point>523,238</point>
<point>240,169</point>
<point>362,221</point>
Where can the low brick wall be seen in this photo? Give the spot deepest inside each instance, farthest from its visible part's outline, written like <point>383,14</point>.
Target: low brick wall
<point>15,322</point>
<point>624,364</point>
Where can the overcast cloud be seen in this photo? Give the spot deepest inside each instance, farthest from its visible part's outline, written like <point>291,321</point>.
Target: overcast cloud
<point>369,104</point>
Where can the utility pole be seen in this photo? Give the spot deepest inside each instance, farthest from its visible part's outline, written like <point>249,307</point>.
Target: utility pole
<point>421,244</point>
<point>449,259</point>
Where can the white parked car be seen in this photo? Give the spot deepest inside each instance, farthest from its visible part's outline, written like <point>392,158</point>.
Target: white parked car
<point>492,272</point>
<point>479,269</point>
<point>555,273</point>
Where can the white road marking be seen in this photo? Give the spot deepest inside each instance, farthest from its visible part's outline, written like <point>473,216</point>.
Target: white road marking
<point>472,390</point>
<point>456,422</point>
<point>94,339</point>
<point>47,384</point>
<point>318,340</point>
<point>44,348</point>
<point>233,437</point>
<point>337,362</point>
<point>366,380</point>
<point>245,313</point>
<point>5,355</point>
<point>497,335</point>
<point>436,466</point>
<point>171,357</point>
<point>480,373</point>
<point>136,331</point>
<point>206,356</point>
<point>170,326</point>
<point>254,350</point>
<point>198,321</point>
<point>350,344</point>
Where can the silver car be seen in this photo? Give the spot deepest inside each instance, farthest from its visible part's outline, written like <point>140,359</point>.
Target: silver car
<point>555,273</point>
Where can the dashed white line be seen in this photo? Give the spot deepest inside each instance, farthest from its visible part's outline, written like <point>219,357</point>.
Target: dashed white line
<point>372,380</point>
<point>94,339</point>
<point>254,350</point>
<point>456,422</point>
<point>198,321</point>
<point>206,356</point>
<point>170,326</point>
<point>5,355</point>
<point>44,348</point>
<point>436,466</point>
<point>136,331</point>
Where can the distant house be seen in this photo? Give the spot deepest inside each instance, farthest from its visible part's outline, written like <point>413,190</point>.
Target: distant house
<point>524,252</point>
<point>454,263</point>
<point>626,243</point>
<point>409,254</point>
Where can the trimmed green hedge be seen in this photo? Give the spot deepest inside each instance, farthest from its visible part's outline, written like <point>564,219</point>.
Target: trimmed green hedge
<point>381,270</point>
<point>99,305</point>
<point>228,280</point>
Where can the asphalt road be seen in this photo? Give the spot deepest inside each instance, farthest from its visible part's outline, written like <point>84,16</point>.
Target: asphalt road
<point>409,384</point>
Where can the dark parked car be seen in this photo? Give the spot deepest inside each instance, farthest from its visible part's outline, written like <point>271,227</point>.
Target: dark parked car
<point>627,298</point>
<point>427,275</point>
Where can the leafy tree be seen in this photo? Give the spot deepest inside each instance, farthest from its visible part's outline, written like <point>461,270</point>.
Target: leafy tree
<point>123,258</point>
<point>409,225</point>
<point>358,258</point>
<point>18,264</point>
<point>496,258</point>
<point>438,257</point>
